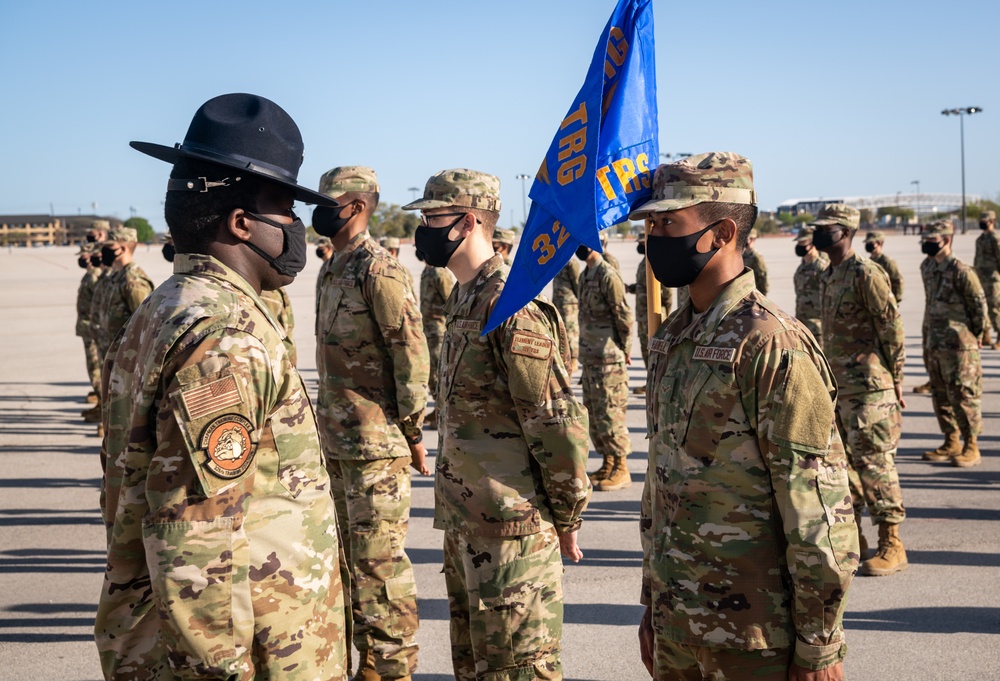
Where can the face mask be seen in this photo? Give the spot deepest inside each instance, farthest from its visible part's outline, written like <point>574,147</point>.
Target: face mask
<point>675,260</point>
<point>95,260</point>
<point>293,254</point>
<point>824,240</point>
<point>930,248</point>
<point>168,252</point>
<point>327,221</point>
<point>640,248</point>
<point>434,243</point>
<point>582,252</point>
<point>983,225</point>
<point>319,253</point>
<point>83,262</point>
<point>870,248</point>
<point>108,255</point>
<point>91,239</point>
<point>801,250</point>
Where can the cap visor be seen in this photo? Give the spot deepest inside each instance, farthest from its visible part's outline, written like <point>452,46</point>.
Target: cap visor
<point>661,206</point>
<point>421,204</point>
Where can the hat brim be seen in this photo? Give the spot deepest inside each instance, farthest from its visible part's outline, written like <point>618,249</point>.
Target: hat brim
<point>423,204</point>
<point>174,154</point>
<point>662,206</point>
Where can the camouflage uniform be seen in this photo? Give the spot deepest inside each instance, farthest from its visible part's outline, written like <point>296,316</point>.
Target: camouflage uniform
<point>566,298</point>
<point>641,310</point>
<point>683,297</point>
<point>84,301</point>
<point>606,254</point>
<point>987,264</point>
<point>280,305</point>
<point>887,264</point>
<point>755,261</point>
<point>222,545</point>
<point>605,343</point>
<point>746,520</point>
<point>372,360</point>
<point>511,466</point>
<point>806,280</point>
<point>435,287</point>
<point>954,319</point>
<point>507,238</point>
<point>125,290</point>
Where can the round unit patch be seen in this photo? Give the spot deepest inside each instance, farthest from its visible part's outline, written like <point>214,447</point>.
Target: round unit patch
<point>226,441</point>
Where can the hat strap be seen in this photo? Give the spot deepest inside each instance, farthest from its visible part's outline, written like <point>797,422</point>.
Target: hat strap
<point>198,184</point>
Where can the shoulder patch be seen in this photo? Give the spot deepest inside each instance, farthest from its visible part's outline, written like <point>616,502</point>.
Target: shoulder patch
<point>710,354</point>
<point>531,345</point>
<point>658,345</point>
<point>227,444</point>
<point>211,397</point>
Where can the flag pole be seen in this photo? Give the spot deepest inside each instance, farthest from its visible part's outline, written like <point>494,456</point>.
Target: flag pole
<point>654,298</point>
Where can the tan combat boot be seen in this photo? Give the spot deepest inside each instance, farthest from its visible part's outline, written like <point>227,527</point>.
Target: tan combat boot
<point>618,478</point>
<point>92,415</point>
<point>924,389</point>
<point>639,390</point>
<point>366,667</point>
<point>602,472</point>
<point>951,448</point>
<point>431,419</point>
<point>987,341</point>
<point>891,556</point>
<point>969,456</point>
<point>92,397</point>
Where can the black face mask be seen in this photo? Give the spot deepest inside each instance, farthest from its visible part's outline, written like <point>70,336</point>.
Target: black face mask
<point>801,250</point>
<point>169,251</point>
<point>327,221</point>
<point>582,252</point>
<point>870,248</point>
<point>293,254</point>
<point>824,240</point>
<point>930,248</point>
<point>640,248</point>
<point>319,253</point>
<point>91,239</point>
<point>108,256</point>
<point>675,260</point>
<point>95,260</point>
<point>984,225</point>
<point>83,262</point>
<point>434,243</point>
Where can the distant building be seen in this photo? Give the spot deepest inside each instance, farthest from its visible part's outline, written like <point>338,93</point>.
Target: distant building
<point>47,230</point>
<point>920,204</point>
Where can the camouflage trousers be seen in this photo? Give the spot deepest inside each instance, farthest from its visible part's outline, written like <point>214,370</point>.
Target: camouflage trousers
<point>815,327</point>
<point>373,510</point>
<point>571,320</point>
<point>93,363</point>
<point>991,287</point>
<point>870,425</point>
<point>605,395</point>
<point>681,662</point>
<point>506,603</point>
<point>434,350</point>
<point>956,389</point>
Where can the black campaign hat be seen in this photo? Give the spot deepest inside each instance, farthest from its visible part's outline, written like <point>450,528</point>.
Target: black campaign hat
<point>244,132</point>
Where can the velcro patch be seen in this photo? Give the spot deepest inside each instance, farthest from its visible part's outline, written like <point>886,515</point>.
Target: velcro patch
<point>468,325</point>
<point>226,441</point>
<point>530,345</point>
<point>658,345</point>
<point>211,397</point>
<point>344,282</point>
<point>710,354</point>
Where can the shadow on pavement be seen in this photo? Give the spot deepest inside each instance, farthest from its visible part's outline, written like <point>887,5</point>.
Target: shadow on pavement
<point>62,615</point>
<point>50,482</point>
<point>948,620</point>
<point>954,558</point>
<point>575,613</point>
<point>51,561</point>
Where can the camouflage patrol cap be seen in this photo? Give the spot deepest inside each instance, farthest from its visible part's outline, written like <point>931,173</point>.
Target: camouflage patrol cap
<point>504,236</point>
<point>939,228</point>
<point>988,215</point>
<point>324,242</point>
<point>339,181</point>
<point>122,235</point>
<point>87,248</point>
<point>804,235</point>
<point>100,224</point>
<point>604,237</point>
<point>459,187</point>
<point>838,214</point>
<point>390,242</point>
<point>753,233</point>
<point>874,237</point>
<point>714,177</point>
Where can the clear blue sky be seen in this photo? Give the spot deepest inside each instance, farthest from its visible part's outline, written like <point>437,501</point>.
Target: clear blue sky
<point>825,98</point>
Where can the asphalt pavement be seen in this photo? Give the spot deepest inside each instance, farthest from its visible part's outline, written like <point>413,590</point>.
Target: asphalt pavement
<point>938,620</point>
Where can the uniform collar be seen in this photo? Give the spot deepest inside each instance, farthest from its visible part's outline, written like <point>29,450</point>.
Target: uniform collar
<point>701,328</point>
<point>356,241</point>
<point>486,272</point>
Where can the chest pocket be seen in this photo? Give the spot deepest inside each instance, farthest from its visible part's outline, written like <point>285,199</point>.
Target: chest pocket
<point>294,461</point>
<point>469,372</point>
<point>694,400</point>
<point>349,322</point>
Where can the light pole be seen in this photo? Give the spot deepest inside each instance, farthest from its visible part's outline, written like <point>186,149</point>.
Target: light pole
<point>668,156</point>
<point>413,191</point>
<point>524,196</point>
<point>917,199</point>
<point>962,113</point>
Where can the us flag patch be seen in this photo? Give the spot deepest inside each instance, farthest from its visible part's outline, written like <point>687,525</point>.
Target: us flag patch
<point>211,397</point>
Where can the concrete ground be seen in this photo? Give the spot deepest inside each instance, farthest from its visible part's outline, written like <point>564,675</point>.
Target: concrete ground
<point>940,619</point>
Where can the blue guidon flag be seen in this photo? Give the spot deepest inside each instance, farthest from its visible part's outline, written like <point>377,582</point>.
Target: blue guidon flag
<point>600,163</point>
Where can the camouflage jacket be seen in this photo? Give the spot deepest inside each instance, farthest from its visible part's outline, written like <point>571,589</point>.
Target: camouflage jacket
<point>98,307</point>
<point>806,281</point>
<point>513,440</point>
<point>435,287</point>
<point>747,527</point>
<point>605,315</point>
<point>641,311</point>
<point>323,269</point>
<point>128,287</point>
<point>755,262</point>
<point>612,260</point>
<point>84,300</point>
<point>862,328</point>
<point>987,260</point>
<point>371,355</point>
<point>280,305</point>
<point>955,308</point>
<point>890,267</point>
<point>566,288</point>
<point>223,559</point>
